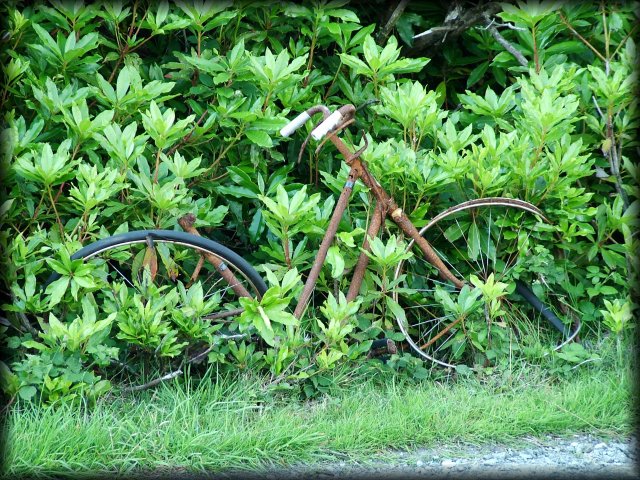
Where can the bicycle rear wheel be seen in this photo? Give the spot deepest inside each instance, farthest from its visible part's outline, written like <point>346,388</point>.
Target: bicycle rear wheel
<point>487,243</point>
<point>144,267</point>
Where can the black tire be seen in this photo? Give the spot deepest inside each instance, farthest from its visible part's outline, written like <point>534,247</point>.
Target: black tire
<point>187,239</point>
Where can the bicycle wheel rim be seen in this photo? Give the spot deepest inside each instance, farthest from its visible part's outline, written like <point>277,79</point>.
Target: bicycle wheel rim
<point>450,236</point>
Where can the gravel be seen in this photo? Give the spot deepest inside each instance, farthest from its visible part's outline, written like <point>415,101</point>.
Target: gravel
<point>577,456</point>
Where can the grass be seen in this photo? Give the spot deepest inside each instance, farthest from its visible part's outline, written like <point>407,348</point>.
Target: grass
<point>232,424</point>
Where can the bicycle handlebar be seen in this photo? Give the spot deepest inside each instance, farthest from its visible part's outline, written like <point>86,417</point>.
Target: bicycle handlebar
<point>330,122</point>
<point>294,124</point>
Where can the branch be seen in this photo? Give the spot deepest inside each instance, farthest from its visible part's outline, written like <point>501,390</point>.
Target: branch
<point>24,321</point>
<point>508,25</point>
<point>186,138</point>
<point>153,383</point>
<point>201,355</point>
<point>505,43</point>
<point>5,409</point>
<point>582,39</point>
<point>383,34</point>
<point>178,372</point>
<point>597,106</point>
<point>457,21</point>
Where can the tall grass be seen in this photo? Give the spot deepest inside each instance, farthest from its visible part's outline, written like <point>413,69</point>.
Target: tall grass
<point>232,424</point>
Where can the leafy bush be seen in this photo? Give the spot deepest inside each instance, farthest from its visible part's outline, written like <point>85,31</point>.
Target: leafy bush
<point>117,118</point>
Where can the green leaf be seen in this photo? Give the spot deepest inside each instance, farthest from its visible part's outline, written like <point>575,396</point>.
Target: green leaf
<point>473,242</point>
<point>123,82</point>
<point>336,260</point>
<point>358,65</point>
<point>463,370</point>
<point>27,392</point>
<point>57,289</point>
<point>477,73</point>
<point>397,310</point>
<point>343,14</point>
<point>260,137</point>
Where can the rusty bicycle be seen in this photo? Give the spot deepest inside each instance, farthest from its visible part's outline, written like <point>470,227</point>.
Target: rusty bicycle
<point>476,243</point>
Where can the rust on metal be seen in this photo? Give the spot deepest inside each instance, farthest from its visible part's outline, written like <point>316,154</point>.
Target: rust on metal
<point>196,271</point>
<point>432,257</point>
<point>341,206</point>
<point>227,313</point>
<point>442,332</point>
<point>385,205</point>
<point>400,218</point>
<point>340,127</point>
<point>363,259</point>
<point>357,153</point>
<point>407,227</point>
<point>389,348</point>
<point>311,112</point>
<point>187,223</point>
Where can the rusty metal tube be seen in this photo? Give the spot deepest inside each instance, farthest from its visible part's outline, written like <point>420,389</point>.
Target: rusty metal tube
<point>363,259</point>
<point>391,207</point>
<point>400,218</point>
<point>341,206</point>
<point>187,223</point>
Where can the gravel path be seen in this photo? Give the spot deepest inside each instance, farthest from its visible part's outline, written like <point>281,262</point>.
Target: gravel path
<point>577,456</point>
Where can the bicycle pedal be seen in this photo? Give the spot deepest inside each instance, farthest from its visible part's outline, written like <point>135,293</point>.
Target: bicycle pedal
<point>383,346</point>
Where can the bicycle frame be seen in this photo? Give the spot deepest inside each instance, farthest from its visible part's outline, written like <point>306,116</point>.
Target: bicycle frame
<point>385,206</point>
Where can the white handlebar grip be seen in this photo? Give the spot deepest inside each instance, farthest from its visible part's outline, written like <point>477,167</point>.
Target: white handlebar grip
<point>294,124</point>
<point>330,123</point>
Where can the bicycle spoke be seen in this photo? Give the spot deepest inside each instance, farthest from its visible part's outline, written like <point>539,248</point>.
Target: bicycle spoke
<point>493,238</point>
<point>124,277</point>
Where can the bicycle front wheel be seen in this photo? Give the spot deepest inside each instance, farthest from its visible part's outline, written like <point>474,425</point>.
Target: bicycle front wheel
<point>504,306</point>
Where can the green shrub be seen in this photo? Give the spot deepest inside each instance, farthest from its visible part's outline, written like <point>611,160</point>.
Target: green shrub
<point>116,119</point>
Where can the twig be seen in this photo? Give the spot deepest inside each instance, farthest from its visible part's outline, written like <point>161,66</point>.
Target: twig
<point>622,42</point>
<point>186,138</point>
<point>53,204</point>
<point>383,35</point>
<point>614,161</point>
<point>133,19</point>
<point>59,191</point>
<point>5,409</point>
<point>201,354</point>
<point>457,21</point>
<point>228,313</point>
<point>27,324</point>
<point>597,106</point>
<point>168,376</point>
<point>172,375</point>
<point>508,25</point>
<point>432,30</point>
<point>612,155</point>
<point>584,40</point>
<point>24,321</point>
<point>153,383</point>
<point>123,365</point>
<point>505,43</point>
